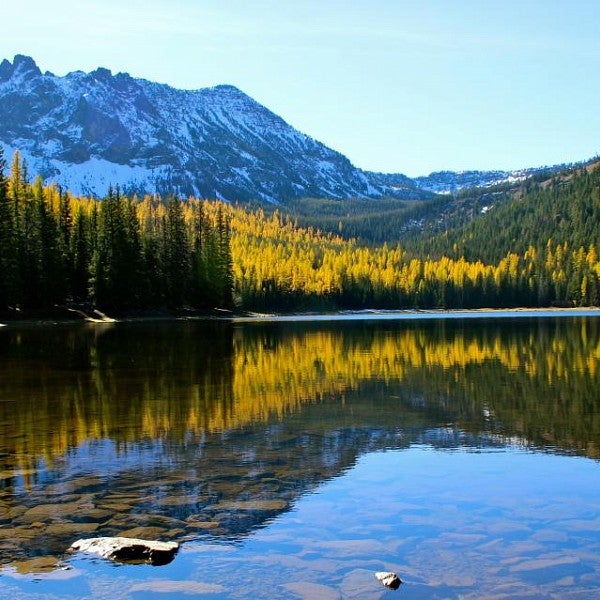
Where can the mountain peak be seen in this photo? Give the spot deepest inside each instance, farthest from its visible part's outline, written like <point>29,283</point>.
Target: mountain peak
<point>102,73</point>
<point>226,87</point>
<point>22,65</point>
<point>23,61</point>
<point>6,70</point>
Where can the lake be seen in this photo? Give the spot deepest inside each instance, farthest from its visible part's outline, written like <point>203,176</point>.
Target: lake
<point>294,458</point>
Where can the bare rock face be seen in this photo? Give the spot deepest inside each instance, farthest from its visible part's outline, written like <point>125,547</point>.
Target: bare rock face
<point>390,580</point>
<point>128,550</point>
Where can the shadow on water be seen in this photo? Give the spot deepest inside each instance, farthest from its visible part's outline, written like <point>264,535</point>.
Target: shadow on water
<point>209,430</point>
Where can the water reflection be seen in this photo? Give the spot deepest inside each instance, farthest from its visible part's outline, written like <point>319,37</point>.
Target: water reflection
<point>188,430</point>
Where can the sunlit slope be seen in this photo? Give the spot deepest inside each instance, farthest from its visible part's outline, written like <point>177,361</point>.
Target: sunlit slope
<point>278,265</point>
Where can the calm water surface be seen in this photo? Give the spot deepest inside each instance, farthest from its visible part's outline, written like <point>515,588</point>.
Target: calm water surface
<point>296,459</point>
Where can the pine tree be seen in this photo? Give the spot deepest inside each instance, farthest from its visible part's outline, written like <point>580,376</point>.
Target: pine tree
<point>51,276</point>
<point>225,261</point>
<point>80,252</point>
<point>114,260</point>
<point>176,254</point>
<point>8,243</point>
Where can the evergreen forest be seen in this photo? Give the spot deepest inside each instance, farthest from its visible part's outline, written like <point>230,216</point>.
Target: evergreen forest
<point>118,254</point>
<point>535,246</point>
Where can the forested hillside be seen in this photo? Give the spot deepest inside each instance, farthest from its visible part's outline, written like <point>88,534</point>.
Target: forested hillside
<point>413,223</point>
<point>370,222</point>
<point>125,254</point>
<point>561,210</point>
<point>277,265</point>
<point>532,244</point>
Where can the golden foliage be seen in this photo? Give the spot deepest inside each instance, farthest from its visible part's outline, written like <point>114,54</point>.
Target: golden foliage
<point>277,264</point>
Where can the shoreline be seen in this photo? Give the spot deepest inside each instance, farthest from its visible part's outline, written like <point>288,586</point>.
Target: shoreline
<point>421,314</point>
<point>98,318</point>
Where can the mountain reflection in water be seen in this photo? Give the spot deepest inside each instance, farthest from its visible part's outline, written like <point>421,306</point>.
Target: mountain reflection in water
<point>210,429</point>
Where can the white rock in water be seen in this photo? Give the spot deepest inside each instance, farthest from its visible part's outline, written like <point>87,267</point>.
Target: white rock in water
<point>128,550</point>
<point>390,580</point>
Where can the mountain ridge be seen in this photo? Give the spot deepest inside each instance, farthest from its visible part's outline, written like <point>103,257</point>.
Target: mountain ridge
<point>87,131</point>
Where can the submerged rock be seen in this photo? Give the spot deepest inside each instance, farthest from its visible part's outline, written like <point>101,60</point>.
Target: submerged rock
<point>37,565</point>
<point>128,550</point>
<point>390,580</point>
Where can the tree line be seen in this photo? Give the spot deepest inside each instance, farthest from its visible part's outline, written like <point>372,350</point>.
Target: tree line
<point>125,254</point>
<point>278,265</point>
<point>116,254</point>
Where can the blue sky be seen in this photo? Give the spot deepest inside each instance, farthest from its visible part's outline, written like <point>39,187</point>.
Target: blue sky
<point>397,86</point>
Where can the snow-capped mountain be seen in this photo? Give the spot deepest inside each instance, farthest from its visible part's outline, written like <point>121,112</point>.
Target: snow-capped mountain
<point>450,182</point>
<point>90,130</point>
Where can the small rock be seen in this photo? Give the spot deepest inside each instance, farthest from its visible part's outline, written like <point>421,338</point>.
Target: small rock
<point>128,550</point>
<point>390,580</point>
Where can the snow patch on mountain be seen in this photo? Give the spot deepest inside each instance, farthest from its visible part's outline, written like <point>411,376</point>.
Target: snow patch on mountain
<point>451,182</point>
<point>92,177</point>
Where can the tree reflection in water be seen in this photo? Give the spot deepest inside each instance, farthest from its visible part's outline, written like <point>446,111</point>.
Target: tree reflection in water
<point>209,429</point>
